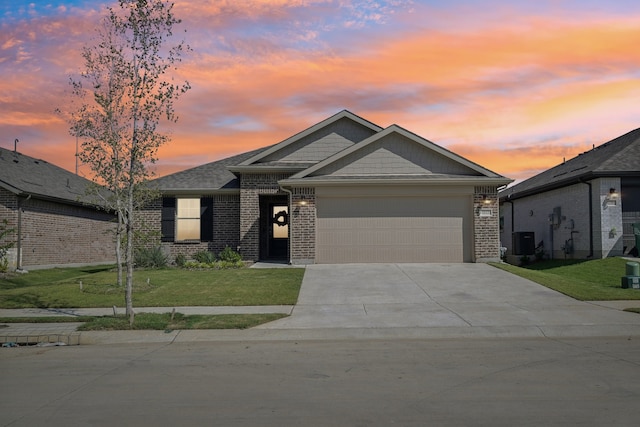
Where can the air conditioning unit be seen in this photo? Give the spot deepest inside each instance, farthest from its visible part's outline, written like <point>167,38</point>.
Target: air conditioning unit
<point>523,243</point>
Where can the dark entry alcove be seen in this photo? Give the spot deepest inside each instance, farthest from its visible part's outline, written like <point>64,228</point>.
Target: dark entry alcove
<point>274,227</point>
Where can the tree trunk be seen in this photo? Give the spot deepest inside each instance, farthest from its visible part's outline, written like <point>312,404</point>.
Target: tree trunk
<point>119,248</point>
<point>129,254</point>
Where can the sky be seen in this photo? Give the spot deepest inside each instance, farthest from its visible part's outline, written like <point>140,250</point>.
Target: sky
<point>515,86</point>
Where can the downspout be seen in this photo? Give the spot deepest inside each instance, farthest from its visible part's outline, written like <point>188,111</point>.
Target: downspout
<point>19,243</point>
<point>290,218</point>
<point>551,237</point>
<point>590,218</point>
<point>513,218</point>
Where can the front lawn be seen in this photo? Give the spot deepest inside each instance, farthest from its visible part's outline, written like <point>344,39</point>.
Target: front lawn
<point>95,287</point>
<point>593,280</point>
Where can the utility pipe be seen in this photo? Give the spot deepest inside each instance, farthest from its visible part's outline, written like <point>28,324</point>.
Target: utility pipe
<point>19,243</point>
<point>590,217</point>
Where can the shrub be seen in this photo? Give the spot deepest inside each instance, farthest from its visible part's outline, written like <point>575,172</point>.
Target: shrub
<point>205,257</point>
<point>225,265</point>
<point>180,260</point>
<point>151,257</point>
<point>229,255</point>
<point>5,231</point>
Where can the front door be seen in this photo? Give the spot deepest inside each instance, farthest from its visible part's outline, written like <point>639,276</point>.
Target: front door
<point>274,224</point>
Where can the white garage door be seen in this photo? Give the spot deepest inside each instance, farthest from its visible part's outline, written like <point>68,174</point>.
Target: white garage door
<point>376,229</point>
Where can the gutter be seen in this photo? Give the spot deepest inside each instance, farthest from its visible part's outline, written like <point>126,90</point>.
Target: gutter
<point>266,169</point>
<point>307,182</point>
<point>198,191</point>
<point>569,181</point>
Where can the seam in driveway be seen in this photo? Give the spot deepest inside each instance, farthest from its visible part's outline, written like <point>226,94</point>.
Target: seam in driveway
<point>413,281</point>
<point>431,298</point>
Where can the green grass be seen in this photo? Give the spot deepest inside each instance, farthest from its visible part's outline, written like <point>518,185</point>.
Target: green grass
<point>156,321</point>
<point>593,280</point>
<point>60,288</point>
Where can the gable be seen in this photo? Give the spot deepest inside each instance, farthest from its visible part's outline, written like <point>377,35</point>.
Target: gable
<point>320,141</point>
<point>395,155</point>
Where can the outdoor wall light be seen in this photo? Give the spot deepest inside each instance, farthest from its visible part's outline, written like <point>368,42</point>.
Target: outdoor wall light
<point>303,201</point>
<point>613,193</point>
<point>485,199</point>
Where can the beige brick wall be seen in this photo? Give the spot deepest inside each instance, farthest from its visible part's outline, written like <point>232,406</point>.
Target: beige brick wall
<point>486,228</point>
<point>55,234</point>
<point>226,228</point>
<point>9,211</point>
<point>303,226</point>
<point>252,185</point>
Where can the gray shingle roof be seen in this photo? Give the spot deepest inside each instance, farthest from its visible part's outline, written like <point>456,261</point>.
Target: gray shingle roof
<point>208,177</point>
<point>24,175</point>
<point>618,157</point>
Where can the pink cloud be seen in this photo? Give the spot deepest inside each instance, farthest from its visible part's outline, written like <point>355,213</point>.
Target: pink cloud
<point>537,87</point>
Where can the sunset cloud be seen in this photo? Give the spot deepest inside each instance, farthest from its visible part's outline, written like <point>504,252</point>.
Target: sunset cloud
<point>514,88</point>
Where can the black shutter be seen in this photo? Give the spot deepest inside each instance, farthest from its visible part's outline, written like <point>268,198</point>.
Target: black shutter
<point>206,219</point>
<point>168,219</point>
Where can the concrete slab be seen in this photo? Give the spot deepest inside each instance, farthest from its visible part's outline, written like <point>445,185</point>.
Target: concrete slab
<point>445,297</point>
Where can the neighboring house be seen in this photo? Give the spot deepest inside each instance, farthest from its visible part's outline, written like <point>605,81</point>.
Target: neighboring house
<point>582,208</point>
<point>344,190</point>
<point>42,203</point>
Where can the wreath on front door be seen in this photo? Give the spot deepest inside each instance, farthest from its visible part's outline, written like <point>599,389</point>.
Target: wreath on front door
<point>281,218</point>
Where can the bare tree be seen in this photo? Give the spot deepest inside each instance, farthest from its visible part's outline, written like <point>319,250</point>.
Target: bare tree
<point>122,95</point>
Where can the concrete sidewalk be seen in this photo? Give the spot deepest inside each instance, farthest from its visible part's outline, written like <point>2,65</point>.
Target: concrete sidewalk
<point>67,334</point>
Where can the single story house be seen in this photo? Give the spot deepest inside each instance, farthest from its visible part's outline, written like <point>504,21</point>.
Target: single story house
<point>345,190</point>
<point>582,208</point>
<point>52,226</point>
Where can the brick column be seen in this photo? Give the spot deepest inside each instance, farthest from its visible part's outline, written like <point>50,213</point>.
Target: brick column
<point>252,185</point>
<point>486,224</point>
<point>303,226</point>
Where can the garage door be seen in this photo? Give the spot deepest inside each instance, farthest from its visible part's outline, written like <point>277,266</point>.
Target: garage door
<point>393,229</point>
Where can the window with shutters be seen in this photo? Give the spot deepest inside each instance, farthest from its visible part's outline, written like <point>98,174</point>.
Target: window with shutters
<point>187,219</point>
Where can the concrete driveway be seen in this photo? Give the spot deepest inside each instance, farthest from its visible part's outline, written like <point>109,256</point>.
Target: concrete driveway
<point>445,300</point>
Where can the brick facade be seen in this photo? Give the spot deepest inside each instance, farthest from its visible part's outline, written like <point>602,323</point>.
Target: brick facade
<point>303,226</point>
<point>237,222</point>
<point>252,186</point>
<point>9,211</point>
<point>486,224</point>
<point>226,228</point>
<point>54,234</point>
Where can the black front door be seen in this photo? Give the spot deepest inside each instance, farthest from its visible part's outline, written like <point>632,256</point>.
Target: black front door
<point>274,227</point>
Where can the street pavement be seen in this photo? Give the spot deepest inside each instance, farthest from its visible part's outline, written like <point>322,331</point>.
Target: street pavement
<point>380,301</point>
<point>448,382</point>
